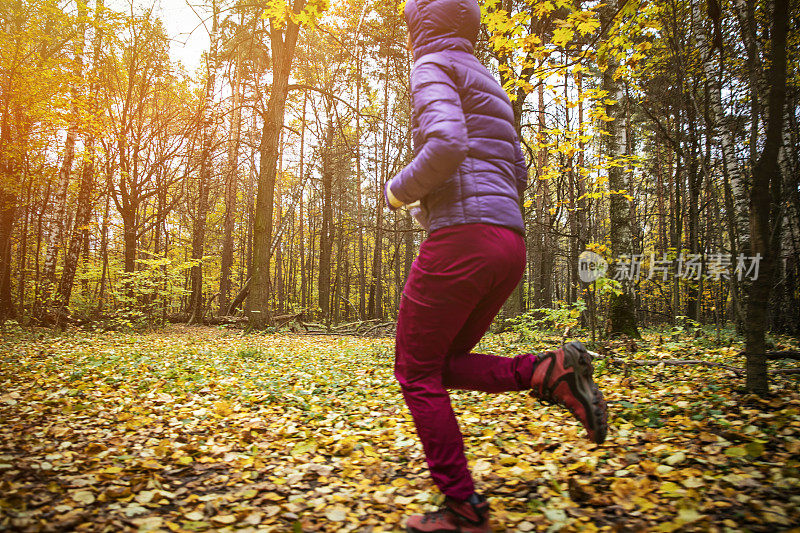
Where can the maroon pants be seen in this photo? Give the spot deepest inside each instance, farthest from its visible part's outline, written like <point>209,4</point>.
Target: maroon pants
<point>456,286</point>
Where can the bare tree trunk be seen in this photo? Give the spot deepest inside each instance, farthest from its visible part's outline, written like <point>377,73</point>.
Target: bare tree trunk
<point>302,258</point>
<point>326,235</point>
<point>8,206</point>
<point>408,237</point>
<point>515,303</point>
<point>572,292</point>
<point>291,289</point>
<point>581,204</point>
<point>55,234</point>
<point>362,267</point>
<point>694,180</point>
<point>676,208</point>
<point>537,236</point>
<point>83,211</point>
<point>739,182</point>
<point>662,213</point>
<point>765,208</point>
<point>231,184</point>
<point>513,306</point>
<point>396,262</point>
<point>278,293</point>
<point>341,260</point>
<point>745,13</point>
<point>695,183</point>
<point>783,289</point>
<point>9,168</point>
<point>376,297</point>
<point>283,42</point>
<point>204,180</point>
<point>80,230</point>
<point>130,238</point>
<point>310,266</point>
<point>622,314</point>
<point>301,215</point>
<point>790,306</point>
<point>101,289</point>
<point>23,247</point>
<point>720,129</point>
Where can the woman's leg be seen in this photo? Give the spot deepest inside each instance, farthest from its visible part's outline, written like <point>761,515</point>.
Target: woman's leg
<point>445,302</point>
<point>424,333</point>
<point>490,373</point>
<point>482,372</point>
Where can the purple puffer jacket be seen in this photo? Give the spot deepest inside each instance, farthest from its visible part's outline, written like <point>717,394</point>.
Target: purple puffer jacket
<point>468,166</point>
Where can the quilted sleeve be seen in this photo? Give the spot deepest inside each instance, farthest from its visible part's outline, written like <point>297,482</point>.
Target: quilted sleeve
<point>442,134</point>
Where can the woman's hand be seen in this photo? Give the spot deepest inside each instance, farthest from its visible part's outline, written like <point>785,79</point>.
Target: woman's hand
<point>420,214</point>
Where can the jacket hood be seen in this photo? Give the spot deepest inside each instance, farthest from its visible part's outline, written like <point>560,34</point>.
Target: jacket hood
<point>437,25</point>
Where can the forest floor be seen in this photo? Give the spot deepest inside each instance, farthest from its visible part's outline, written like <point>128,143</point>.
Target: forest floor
<point>193,429</point>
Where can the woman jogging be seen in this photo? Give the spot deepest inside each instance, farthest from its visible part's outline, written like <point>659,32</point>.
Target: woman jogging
<point>464,185</point>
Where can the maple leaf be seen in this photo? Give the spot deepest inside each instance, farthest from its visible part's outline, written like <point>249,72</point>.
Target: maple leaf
<point>562,36</point>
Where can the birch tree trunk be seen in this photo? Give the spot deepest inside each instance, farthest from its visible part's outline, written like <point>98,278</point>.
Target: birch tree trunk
<point>55,234</point>
<point>80,229</point>
<point>719,128</point>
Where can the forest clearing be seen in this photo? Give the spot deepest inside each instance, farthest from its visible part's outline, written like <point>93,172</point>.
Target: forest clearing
<point>246,179</point>
<point>247,248</point>
<point>195,429</point>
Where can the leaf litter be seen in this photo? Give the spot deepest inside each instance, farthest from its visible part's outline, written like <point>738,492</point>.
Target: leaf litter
<point>198,429</point>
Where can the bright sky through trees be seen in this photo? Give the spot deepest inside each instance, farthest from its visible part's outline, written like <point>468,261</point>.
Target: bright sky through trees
<point>187,24</point>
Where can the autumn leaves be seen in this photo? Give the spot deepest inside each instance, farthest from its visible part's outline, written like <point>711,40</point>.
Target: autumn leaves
<point>194,429</point>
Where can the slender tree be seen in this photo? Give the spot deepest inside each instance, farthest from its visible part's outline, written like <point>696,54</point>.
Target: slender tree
<point>622,315</point>
<point>284,31</point>
<point>204,177</point>
<point>55,234</point>
<point>80,227</point>
<point>765,206</point>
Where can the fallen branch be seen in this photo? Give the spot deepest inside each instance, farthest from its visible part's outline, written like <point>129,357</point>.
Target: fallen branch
<point>780,354</point>
<point>785,371</point>
<point>224,320</point>
<point>354,326</point>
<point>673,362</point>
<point>689,362</point>
<point>376,326</point>
<point>313,327</point>
<point>362,328</point>
<point>284,319</point>
<point>785,354</point>
<point>239,298</point>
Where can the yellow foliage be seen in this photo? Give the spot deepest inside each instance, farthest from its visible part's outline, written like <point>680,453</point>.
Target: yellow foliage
<point>561,36</point>
<point>279,12</point>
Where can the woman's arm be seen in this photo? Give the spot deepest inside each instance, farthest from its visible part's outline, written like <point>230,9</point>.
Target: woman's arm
<point>443,129</point>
